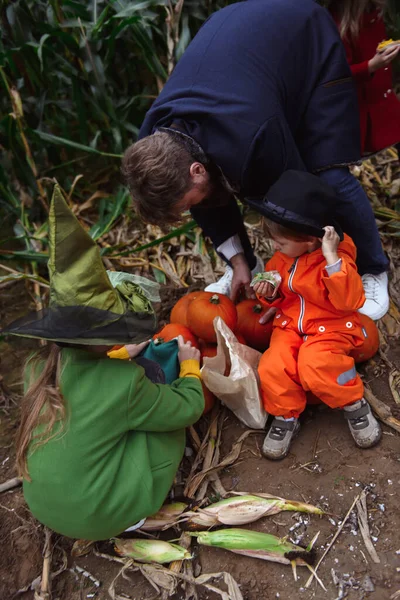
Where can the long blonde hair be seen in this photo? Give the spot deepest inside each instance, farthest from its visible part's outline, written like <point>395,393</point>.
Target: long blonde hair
<point>43,404</point>
<point>350,12</point>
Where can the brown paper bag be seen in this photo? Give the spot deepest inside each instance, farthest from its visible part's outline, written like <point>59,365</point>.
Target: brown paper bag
<point>232,376</point>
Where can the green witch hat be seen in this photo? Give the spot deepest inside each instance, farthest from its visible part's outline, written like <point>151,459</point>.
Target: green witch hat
<point>84,306</point>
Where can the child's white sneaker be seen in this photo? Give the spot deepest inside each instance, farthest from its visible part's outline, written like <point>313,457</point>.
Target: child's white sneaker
<point>224,284</point>
<point>363,426</point>
<point>279,437</point>
<point>376,291</point>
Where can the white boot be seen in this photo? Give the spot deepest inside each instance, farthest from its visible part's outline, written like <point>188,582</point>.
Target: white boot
<point>376,304</point>
<point>224,284</point>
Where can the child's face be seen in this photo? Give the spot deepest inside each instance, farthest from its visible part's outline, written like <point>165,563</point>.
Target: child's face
<point>293,248</point>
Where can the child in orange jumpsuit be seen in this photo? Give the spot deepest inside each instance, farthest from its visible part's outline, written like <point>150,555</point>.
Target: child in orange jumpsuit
<point>316,324</point>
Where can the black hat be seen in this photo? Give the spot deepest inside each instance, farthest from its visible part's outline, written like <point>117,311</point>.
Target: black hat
<point>300,201</point>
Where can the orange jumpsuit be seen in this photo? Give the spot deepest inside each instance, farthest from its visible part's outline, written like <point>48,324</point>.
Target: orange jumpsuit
<point>315,328</point>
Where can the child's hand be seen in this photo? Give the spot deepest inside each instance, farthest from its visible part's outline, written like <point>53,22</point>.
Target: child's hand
<point>330,243</point>
<point>383,59</point>
<point>264,288</point>
<point>187,351</point>
<point>135,349</point>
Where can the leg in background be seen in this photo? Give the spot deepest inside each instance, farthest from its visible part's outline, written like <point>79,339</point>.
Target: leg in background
<point>355,215</point>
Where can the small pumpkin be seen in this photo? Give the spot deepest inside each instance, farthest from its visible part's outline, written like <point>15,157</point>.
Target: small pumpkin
<point>203,310</point>
<point>240,337</point>
<point>209,399</point>
<point>179,311</point>
<point>209,350</point>
<point>256,335</point>
<point>171,331</point>
<point>371,344</point>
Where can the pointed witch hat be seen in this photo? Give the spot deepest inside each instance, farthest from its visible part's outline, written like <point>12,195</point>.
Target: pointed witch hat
<point>84,307</point>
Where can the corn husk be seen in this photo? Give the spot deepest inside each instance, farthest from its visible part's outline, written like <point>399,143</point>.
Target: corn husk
<point>256,545</point>
<point>165,518</point>
<point>151,551</point>
<point>241,510</point>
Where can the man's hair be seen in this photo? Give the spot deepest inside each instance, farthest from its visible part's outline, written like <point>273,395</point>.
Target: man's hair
<point>156,170</point>
<point>273,229</point>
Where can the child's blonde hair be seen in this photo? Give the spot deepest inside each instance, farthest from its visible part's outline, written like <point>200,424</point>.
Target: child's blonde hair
<point>350,13</point>
<point>272,230</point>
<point>42,405</point>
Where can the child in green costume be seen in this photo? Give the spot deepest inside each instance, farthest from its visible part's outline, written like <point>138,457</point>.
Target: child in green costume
<point>99,443</point>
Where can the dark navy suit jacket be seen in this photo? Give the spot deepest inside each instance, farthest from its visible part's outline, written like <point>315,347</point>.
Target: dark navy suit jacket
<point>263,87</point>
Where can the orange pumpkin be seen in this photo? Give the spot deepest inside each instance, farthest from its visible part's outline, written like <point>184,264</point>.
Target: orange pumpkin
<point>371,343</point>
<point>209,399</point>
<point>203,310</point>
<point>256,335</point>
<point>207,349</point>
<point>179,311</point>
<point>240,337</point>
<point>172,330</point>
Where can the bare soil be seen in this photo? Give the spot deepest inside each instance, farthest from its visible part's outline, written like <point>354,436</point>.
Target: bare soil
<point>323,468</point>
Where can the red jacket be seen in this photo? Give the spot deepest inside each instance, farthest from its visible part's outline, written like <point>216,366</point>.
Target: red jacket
<point>378,103</point>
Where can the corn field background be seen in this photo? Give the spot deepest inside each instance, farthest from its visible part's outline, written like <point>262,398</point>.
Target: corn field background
<point>76,80</point>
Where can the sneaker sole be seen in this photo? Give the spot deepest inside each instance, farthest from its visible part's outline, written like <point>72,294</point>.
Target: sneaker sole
<point>376,315</point>
<point>370,444</point>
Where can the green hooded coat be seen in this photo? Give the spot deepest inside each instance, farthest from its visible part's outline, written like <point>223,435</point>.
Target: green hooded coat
<point>116,458</point>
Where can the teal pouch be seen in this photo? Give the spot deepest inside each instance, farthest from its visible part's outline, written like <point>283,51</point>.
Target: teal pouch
<point>166,355</point>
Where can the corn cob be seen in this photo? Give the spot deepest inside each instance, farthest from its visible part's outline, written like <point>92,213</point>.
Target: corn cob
<point>166,517</point>
<point>241,510</point>
<point>386,43</point>
<point>151,551</point>
<point>256,545</point>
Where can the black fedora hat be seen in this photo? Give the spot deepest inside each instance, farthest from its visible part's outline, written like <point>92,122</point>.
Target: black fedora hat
<point>300,201</point>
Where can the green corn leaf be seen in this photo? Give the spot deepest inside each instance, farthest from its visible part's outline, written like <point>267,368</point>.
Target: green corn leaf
<point>159,276</point>
<point>174,233</point>
<point>20,276</point>
<point>53,139</point>
<point>26,256</point>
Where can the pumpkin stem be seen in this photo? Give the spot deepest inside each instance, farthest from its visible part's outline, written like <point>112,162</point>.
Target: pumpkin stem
<point>214,299</point>
<point>257,308</point>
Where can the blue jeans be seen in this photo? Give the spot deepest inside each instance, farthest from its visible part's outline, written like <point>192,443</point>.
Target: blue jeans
<point>355,215</point>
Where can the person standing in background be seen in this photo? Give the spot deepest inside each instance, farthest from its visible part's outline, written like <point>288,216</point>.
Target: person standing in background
<point>263,87</point>
<point>362,29</point>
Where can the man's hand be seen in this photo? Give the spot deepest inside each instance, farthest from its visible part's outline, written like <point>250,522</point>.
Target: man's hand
<point>330,243</point>
<point>241,277</point>
<point>383,59</point>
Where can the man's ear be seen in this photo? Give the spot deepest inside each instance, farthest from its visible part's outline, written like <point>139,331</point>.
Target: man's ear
<point>197,169</point>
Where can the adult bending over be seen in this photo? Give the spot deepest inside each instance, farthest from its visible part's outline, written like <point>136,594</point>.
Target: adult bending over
<point>262,88</point>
